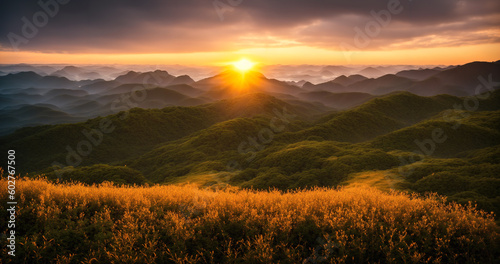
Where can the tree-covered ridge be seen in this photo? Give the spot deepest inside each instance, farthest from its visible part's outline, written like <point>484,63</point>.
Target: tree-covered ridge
<point>259,141</point>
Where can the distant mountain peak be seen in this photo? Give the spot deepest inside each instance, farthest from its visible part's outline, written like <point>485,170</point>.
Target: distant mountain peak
<point>182,79</point>
<point>232,83</point>
<point>161,71</point>
<point>157,77</point>
<point>25,74</point>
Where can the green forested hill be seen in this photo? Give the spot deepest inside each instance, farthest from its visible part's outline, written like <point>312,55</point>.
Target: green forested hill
<point>132,133</point>
<point>258,141</point>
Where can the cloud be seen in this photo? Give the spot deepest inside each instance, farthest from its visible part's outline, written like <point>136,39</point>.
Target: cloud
<point>166,26</point>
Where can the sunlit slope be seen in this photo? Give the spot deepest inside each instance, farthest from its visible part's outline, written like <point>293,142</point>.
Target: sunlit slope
<point>183,224</point>
<point>382,180</point>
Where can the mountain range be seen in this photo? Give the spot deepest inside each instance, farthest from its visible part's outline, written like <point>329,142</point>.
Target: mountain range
<point>62,97</point>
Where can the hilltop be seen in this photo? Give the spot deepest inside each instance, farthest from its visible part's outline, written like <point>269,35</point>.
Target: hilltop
<point>179,224</point>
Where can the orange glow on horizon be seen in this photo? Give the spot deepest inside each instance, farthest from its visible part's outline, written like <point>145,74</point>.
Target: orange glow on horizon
<point>270,56</point>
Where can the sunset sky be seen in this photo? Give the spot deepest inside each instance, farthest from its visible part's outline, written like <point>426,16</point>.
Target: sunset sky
<point>207,32</point>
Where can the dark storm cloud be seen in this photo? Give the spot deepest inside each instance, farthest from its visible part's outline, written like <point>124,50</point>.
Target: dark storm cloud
<point>195,25</point>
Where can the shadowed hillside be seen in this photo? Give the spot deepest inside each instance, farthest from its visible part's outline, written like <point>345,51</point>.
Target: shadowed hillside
<point>137,130</point>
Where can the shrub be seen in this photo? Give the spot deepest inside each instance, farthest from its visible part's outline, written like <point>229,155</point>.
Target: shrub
<point>74,223</point>
<point>99,173</point>
<point>444,183</point>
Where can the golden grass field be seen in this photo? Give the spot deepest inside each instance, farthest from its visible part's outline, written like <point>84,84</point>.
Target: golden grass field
<point>74,223</point>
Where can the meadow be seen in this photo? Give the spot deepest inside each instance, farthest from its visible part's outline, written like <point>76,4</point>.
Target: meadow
<point>110,223</point>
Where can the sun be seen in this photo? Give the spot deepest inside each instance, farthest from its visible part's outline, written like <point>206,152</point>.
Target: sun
<point>243,65</point>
